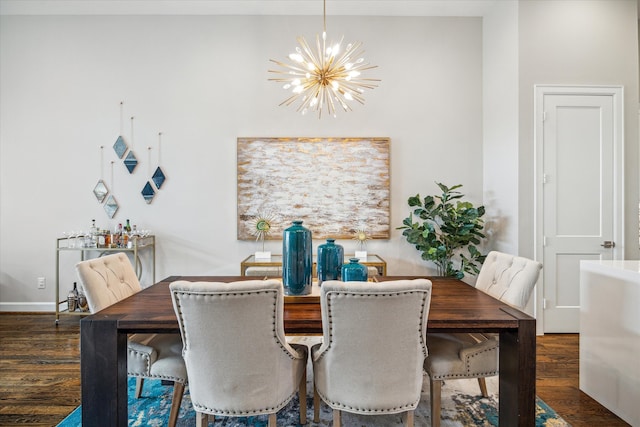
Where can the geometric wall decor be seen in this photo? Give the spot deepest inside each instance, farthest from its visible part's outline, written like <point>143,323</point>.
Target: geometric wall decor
<point>120,146</point>
<point>158,177</point>
<point>111,206</point>
<point>148,192</point>
<point>100,191</point>
<point>130,161</point>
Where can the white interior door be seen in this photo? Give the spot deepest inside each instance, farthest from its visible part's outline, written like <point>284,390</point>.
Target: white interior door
<point>579,143</point>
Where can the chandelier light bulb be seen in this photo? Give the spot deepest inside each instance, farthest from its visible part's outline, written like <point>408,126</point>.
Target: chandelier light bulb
<point>296,57</point>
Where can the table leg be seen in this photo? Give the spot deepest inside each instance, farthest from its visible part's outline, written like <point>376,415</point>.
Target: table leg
<point>518,375</point>
<point>103,369</point>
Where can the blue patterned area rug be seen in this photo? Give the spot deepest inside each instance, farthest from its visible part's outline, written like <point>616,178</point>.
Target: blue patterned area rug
<point>462,406</point>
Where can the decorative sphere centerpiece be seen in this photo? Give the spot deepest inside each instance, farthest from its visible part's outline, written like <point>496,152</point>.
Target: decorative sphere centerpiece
<point>297,259</point>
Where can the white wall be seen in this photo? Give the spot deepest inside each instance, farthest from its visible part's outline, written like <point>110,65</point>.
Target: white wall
<point>202,81</point>
<point>500,125</point>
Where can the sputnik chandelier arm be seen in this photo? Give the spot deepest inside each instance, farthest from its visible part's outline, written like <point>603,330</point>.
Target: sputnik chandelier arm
<point>324,78</point>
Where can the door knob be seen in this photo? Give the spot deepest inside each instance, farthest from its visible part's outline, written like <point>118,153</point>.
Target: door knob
<point>607,244</point>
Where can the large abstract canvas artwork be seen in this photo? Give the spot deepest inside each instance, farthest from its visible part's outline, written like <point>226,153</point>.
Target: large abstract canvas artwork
<point>335,185</point>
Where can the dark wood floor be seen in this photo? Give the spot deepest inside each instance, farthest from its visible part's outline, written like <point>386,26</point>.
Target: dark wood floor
<point>40,374</point>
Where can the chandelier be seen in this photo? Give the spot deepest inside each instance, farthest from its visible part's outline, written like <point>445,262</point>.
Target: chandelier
<point>326,78</point>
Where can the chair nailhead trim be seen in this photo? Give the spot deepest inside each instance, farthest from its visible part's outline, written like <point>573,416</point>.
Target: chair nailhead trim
<point>347,408</point>
<point>162,377</point>
<point>224,412</point>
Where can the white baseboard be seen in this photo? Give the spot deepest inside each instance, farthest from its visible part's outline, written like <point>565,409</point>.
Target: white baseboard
<point>28,306</point>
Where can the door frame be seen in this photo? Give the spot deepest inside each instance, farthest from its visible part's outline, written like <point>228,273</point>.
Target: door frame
<point>617,92</point>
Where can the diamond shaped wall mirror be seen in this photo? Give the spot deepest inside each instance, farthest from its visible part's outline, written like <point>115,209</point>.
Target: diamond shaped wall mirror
<point>111,206</point>
<point>148,192</point>
<point>158,178</point>
<point>100,191</point>
<point>130,161</point>
<point>120,147</point>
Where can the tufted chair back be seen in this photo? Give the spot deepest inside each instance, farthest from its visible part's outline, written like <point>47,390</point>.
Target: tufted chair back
<point>111,278</point>
<point>509,278</point>
<point>238,360</point>
<point>373,350</point>
<point>107,280</point>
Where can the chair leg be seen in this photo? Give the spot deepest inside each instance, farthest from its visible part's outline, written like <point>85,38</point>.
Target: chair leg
<point>302,396</point>
<point>336,418</point>
<point>408,422</point>
<point>272,420</point>
<point>483,387</point>
<point>176,401</point>
<point>202,420</point>
<point>316,405</point>
<point>436,390</point>
<point>139,384</point>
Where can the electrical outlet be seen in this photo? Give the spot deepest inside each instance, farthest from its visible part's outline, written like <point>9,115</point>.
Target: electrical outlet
<point>42,283</point>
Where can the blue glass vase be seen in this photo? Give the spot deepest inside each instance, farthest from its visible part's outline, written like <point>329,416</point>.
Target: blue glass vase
<point>330,260</point>
<point>297,260</point>
<point>354,271</point>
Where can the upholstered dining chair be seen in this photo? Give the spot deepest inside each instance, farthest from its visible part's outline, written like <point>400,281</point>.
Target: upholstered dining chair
<point>237,356</point>
<point>370,361</point>
<point>109,279</point>
<point>510,279</point>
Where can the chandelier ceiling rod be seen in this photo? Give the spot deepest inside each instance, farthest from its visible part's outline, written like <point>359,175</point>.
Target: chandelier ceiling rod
<point>324,16</point>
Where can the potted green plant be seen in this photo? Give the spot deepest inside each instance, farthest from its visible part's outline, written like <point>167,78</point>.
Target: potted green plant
<point>446,231</point>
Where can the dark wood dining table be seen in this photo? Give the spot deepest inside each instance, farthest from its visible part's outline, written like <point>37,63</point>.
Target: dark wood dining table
<point>455,307</point>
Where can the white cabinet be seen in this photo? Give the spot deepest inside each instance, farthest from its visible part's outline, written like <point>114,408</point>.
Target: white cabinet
<point>610,335</point>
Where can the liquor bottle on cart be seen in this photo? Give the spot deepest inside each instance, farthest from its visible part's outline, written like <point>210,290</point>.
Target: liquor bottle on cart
<point>72,298</point>
<point>91,241</point>
<point>117,236</point>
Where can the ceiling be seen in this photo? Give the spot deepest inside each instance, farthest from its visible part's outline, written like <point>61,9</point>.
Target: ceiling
<point>247,7</point>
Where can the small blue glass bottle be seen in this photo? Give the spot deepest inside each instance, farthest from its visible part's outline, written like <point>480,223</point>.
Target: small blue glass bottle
<point>297,259</point>
<point>354,271</point>
<point>330,260</point>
